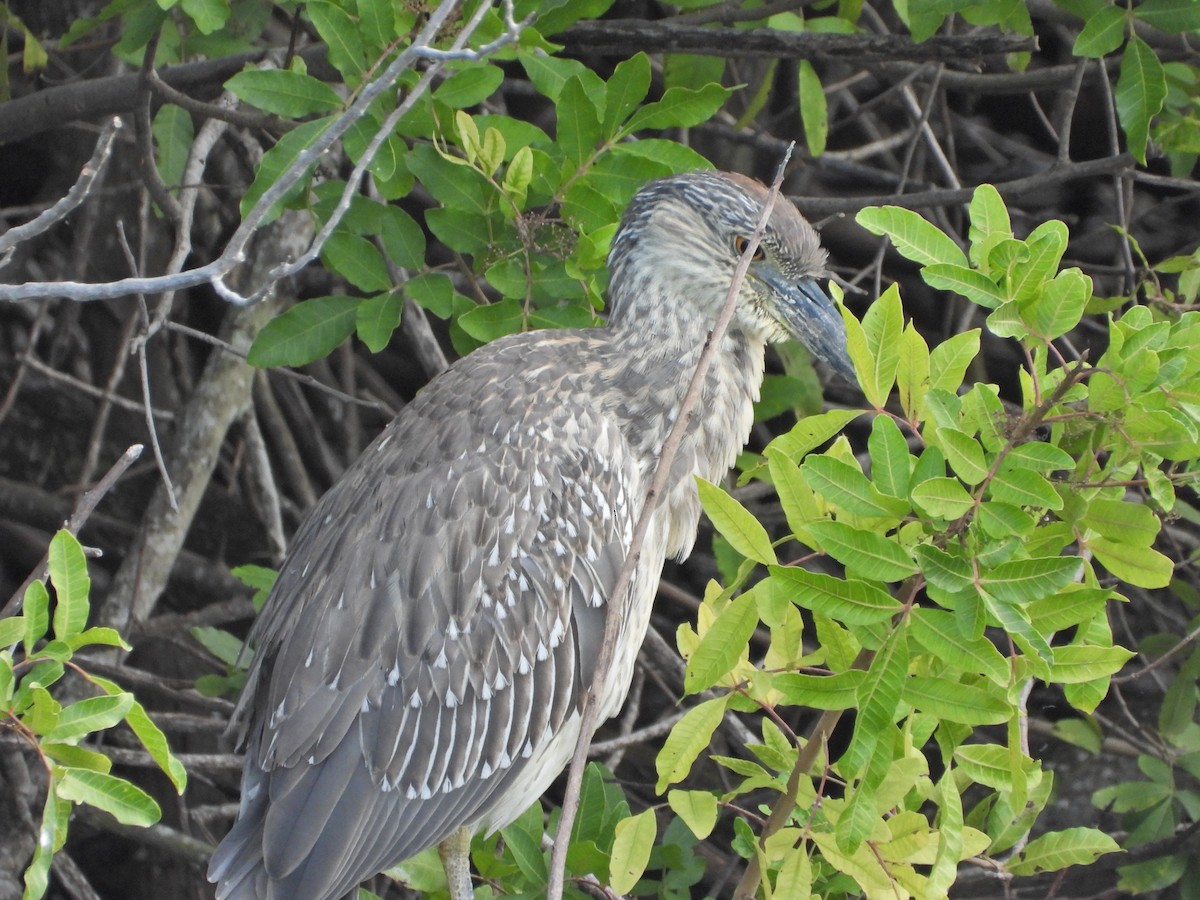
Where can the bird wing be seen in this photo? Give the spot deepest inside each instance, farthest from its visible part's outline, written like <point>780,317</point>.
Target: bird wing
<point>437,622</point>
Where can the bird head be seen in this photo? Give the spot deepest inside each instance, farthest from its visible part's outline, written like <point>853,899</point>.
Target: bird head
<point>681,238</point>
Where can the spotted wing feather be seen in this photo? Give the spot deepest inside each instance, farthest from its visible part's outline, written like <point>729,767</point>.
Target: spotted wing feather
<point>434,627</point>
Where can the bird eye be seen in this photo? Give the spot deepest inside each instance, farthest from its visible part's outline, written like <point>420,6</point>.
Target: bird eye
<point>739,246</point>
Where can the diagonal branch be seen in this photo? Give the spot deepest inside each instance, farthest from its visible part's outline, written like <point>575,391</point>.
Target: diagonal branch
<point>591,710</point>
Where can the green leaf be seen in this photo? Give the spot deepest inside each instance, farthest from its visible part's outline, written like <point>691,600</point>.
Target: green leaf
<point>963,453</point>
<point>942,498</point>
<point>1061,304</point>
<point>626,89</point>
<point>949,360</point>
<point>12,630</point>
<point>308,331</point>
<point>493,320</point>
<point>377,317</point>
<point>94,714</point>
<point>469,86</point>
<point>938,632</point>
<point>1171,16</point>
<point>209,15</point>
<point>284,92</point>
<point>376,23</point>
<point>988,764</point>
<point>811,432</point>
<point>1040,457</point>
<point>1102,33</point>
<point>150,735</point>
<point>1141,89</point>
<point>956,702</point>
<point>820,691</point>
<point>37,614</point>
<point>736,523</point>
<point>1023,487</point>
<point>1117,520</point>
<point>69,575</point>
<point>173,135</point>
<point>915,237</point>
<point>125,802</point>
<point>814,113</point>
<point>1015,621</point>
<point>969,283</point>
<point>549,73</point>
<point>1138,565</point>
<point>357,260</point>
<point>865,554</point>
<point>950,572</point>
<point>882,327</point>
<point>698,809</point>
<point>1024,580</point>
<point>52,834</point>
<point>1060,849</point>
<point>277,160</point>
<point>403,239</point>
<point>631,850</point>
<point>850,601</point>
<point>912,375</point>
<point>688,738</point>
<point>578,122</point>
<point>433,292</point>
<point>878,705</point>
<point>679,108</point>
<point>340,34</point>
<point>989,222</point>
<point>846,486</point>
<point>722,645</point>
<point>1074,664</point>
<point>891,464</point>
<point>523,839</point>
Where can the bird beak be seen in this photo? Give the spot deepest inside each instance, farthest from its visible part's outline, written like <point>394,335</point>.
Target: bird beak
<point>813,319</point>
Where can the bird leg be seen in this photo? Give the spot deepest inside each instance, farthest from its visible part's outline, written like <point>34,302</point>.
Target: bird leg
<point>455,852</point>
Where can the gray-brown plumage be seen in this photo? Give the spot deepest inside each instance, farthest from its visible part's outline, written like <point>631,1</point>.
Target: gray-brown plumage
<point>421,661</point>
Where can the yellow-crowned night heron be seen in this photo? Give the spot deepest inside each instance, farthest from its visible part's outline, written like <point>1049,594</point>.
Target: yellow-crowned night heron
<point>423,656</point>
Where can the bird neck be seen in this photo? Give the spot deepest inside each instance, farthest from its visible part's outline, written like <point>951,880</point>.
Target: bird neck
<point>658,367</point>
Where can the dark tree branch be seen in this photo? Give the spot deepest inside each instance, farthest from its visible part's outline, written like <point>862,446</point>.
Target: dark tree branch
<point>625,36</point>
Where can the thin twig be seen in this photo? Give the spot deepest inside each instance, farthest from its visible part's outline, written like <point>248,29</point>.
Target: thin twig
<point>92,170</point>
<point>84,507</point>
<point>234,253</point>
<point>590,712</point>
